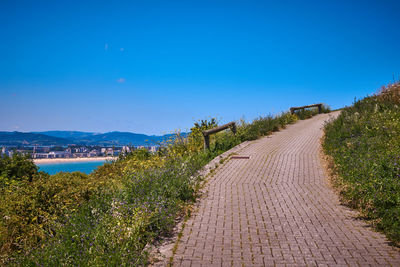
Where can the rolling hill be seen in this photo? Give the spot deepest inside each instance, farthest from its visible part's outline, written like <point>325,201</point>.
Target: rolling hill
<point>52,138</point>
<point>20,139</point>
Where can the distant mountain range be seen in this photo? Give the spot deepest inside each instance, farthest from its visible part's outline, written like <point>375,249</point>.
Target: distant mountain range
<point>60,138</point>
<point>26,139</point>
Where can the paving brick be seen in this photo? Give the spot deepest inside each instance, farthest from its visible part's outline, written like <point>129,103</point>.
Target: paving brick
<point>277,209</point>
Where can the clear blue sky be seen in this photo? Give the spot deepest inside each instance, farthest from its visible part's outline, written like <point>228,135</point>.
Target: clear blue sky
<point>156,66</point>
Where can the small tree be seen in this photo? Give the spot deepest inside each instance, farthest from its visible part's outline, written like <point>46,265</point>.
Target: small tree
<point>17,168</point>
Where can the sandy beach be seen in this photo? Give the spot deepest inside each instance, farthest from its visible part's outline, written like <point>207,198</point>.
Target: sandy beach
<point>65,160</point>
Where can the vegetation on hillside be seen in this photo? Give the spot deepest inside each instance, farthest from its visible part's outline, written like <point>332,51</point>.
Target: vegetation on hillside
<point>364,143</point>
<point>110,216</point>
<point>307,113</point>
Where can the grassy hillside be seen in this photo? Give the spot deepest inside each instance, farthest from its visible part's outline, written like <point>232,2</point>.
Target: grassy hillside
<point>110,216</point>
<point>364,143</point>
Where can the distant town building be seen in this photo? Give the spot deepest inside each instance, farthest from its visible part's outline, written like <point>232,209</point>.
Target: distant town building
<point>37,149</point>
<point>109,152</point>
<point>94,153</point>
<point>81,149</point>
<point>56,154</point>
<point>125,150</point>
<point>153,149</point>
<point>81,155</point>
<point>40,155</point>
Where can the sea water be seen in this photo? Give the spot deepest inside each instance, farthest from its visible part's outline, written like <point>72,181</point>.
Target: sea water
<point>80,166</point>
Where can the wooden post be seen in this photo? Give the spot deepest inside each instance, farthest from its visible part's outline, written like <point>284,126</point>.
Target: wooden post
<point>207,133</point>
<point>319,108</point>
<point>206,142</point>
<point>233,128</point>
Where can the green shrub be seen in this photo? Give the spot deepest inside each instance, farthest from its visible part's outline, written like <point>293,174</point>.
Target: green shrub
<point>114,227</point>
<point>30,210</point>
<point>16,168</point>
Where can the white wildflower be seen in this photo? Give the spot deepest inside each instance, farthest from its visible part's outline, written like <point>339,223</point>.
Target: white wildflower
<point>95,212</point>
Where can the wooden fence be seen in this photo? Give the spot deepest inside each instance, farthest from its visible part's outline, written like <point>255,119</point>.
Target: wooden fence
<point>232,125</point>
<point>207,133</point>
<point>292,109</point>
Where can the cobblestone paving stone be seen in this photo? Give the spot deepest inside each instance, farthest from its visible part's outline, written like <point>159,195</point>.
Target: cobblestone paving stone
<point>277,209</point>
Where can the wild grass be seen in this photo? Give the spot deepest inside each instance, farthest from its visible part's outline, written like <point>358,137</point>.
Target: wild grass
<point>112,215</point>
<point>364,143</point>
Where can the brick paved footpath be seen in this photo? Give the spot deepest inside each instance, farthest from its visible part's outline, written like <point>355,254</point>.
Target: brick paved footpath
<point>277,208</point>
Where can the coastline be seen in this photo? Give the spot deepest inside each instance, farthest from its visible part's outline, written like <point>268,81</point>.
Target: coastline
<point>66,160</point>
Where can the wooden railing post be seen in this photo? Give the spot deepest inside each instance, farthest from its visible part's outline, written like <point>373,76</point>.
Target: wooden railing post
<point>206,142</point>
<point>207,133</point>
<point>233,128</point>
<point>319,106</point>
